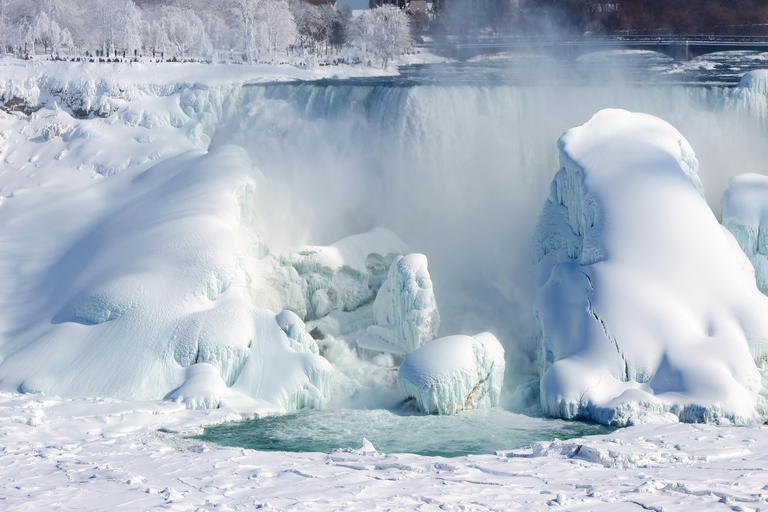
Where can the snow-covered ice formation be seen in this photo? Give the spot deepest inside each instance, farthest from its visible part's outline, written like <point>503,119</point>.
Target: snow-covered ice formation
<point>647,308</point>
<point>141,271</point>
<point>751,94</point>
<point>151,287</point>
<point>745,214</point>
<point>342,276</point>
<point>454,373</point>
<point>405,310</point>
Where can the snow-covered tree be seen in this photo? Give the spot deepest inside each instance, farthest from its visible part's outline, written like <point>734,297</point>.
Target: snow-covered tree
<point>49,34</point>
<point>127,36</point>
<point>245,14</point>
<point>277,28</point>
<point>186,32</point>
<point>266,26</point>
<point>383,33</point>
<point>154,37</point>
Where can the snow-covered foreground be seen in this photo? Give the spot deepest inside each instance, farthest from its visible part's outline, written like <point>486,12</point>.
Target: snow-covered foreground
<point>110,455</point>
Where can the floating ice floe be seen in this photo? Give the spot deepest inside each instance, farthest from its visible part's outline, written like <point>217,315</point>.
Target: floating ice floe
<point>454,373</point>
<point>405,310</point>
<point>647,308</point>
<point>745,214</point>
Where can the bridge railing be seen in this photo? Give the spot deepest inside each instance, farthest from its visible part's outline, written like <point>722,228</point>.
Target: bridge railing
<point>527,39</point>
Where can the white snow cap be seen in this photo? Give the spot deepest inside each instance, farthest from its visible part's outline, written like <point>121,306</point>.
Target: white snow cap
<point>646,305</point>
<point>454,373</point>
<point>405,309</point>
<point>745,214</point>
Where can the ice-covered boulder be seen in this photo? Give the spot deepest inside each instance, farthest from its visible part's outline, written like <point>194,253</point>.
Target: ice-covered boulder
<point>405,309</point>
<point>745,214</point>
<point>316,280</point>
<point>454,373</point>
<point>646,305</point>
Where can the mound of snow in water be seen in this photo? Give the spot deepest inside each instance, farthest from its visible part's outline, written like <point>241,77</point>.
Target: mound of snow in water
<point>405,309</point>
<point>646,305</point>
<point>454,373</point>
<point>745,214</point>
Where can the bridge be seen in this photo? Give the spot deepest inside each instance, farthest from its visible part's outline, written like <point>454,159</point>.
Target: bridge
<point>681,48</point>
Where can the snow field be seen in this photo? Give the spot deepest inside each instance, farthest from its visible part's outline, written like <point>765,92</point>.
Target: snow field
<point>99,454</point>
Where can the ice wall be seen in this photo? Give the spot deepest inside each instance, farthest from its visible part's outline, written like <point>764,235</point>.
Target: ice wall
<point>647,309</point>
<point>745,214</point>
<point>454,373</point>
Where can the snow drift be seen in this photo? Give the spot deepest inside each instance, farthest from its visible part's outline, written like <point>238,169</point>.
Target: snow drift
<point>745,214</point>
<point>647,309</point>
<point>454,373</point>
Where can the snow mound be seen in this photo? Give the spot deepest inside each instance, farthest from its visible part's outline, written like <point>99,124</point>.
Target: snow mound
<point>146,283</point>
<point>646,305</point>
<point>745,214</point>
<point>454,373</point>
<point>405,309</point>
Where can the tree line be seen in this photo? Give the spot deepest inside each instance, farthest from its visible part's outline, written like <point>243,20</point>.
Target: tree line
<point>251,30</point>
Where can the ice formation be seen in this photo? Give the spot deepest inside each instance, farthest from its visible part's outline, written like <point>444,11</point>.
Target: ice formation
<point>647,309</point>
<point>745,214</point>
<point>152,287</point>
<point>142,271</point>
<point>405,309</point>
<point>454,373</point>
<point>342,276</point>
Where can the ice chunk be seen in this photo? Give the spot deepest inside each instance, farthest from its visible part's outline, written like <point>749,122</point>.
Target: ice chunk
<point>405,309</point>
<point>342,276</point>
<point>203,389</point>
<point>646,305</point>
<point>454,373</point>
<point>745,214</point>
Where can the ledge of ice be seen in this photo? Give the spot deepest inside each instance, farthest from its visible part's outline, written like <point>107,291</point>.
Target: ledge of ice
<point>745,214</point>
<point>646,305</point>
<point>454,373</point>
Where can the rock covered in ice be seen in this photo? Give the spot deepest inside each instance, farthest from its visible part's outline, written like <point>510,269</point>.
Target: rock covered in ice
<point>405,309</point>
<point>316,280</point>
<point>745,214</point>
<point>454,373</point>
<point>646,305</point>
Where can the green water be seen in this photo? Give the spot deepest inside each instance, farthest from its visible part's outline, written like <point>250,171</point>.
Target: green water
<point>471,432</point>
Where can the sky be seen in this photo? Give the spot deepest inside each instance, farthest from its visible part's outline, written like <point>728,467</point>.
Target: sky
<point>355,4</point>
